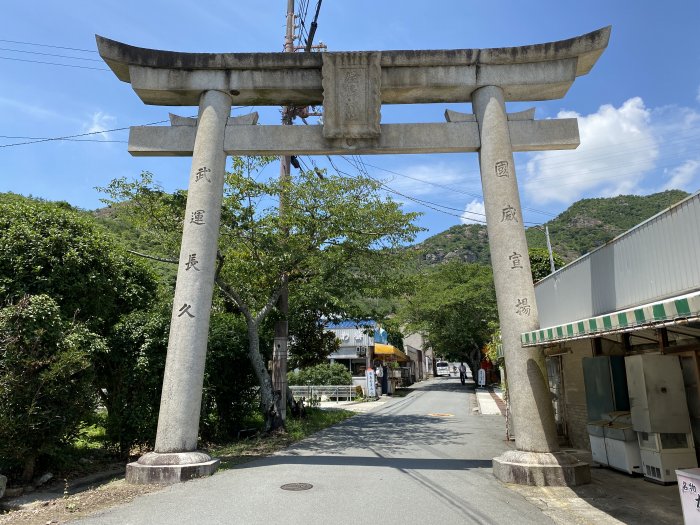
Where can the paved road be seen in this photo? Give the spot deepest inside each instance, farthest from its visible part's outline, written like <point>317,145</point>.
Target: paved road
<point>422,459</point>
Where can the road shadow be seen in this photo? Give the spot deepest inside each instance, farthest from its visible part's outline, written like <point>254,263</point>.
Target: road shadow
<point>365,461</point>
<point>444,384</point>
<point>384,431</point>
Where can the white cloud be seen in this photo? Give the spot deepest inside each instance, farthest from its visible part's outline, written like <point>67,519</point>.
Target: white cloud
<point>618,147</point>
<point>682,176</point>
<point>474,212</point>
<point>99,123</point>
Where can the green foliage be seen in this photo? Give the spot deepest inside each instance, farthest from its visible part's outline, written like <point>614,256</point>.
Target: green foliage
<point>231,393</point>
<point>310,344</point>
<point>336,241</point>
<point>590,223</point>
<point>461,243</point>
<point>452,305</point>
<point>586,225</point>
<point>540,264</point>
<point>319,375</point>
<point>46,375</point>
<point>131,374</point>
<point>49,249</point>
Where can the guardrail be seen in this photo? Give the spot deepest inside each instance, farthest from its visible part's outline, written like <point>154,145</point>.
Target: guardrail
<point>337,392</point>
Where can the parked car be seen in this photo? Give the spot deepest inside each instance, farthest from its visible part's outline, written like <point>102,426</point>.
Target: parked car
<point>442,368</point>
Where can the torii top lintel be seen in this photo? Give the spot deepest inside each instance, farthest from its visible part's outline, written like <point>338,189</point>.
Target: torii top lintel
<point>533,72</point>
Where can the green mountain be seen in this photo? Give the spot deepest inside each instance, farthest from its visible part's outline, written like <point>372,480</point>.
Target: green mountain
<point>586,225</point>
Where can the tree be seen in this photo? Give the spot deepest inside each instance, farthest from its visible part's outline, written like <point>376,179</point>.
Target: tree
<point>52,249</point>
<point>540,264</point>
<point>46,380</point>
<point>323,374</point>
<point>338,238</point>
<point>452,304</point>
<point>310,343</point>
<point>131,373</point>
<point>230,386</point>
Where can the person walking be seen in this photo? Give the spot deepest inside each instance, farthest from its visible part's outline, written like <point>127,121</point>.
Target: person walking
<point>462,373</point>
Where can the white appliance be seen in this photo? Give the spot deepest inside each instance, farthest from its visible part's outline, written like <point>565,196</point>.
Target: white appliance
<point>596,435</point>
<point>664,453</point>
<point>614,442</point>
<point>660,415</point>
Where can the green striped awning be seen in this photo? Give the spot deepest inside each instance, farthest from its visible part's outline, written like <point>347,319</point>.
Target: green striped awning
<point>668,311</point>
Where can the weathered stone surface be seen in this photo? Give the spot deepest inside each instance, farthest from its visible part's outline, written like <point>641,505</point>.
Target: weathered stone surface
<point>534,72</point>
<point>249,119</point>
<point>456,116</point>
<point>541,469</point>
<point>515,294</point>
<point>137,473</point>
<point>174,458</point>
<point>453,137</point>
<point>178,420</point>
<point>3,484</point>
<point>351,95</point>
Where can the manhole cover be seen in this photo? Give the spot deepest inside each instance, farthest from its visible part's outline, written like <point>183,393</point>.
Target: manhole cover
<point>441,415</point>
<point>297,486</point>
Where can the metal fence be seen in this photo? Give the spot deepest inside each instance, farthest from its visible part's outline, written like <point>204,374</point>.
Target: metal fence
<point>329,392</point>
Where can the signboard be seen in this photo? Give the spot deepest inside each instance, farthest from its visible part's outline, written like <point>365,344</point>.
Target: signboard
<point>482,377</point>
<point>371,383</point>
<point>689,488</point>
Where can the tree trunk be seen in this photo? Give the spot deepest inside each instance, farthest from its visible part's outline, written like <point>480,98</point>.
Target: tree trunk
<point>29,464</point>
<point>269,399</point>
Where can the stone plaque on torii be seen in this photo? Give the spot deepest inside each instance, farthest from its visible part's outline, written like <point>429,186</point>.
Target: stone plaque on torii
<point>352,86</point>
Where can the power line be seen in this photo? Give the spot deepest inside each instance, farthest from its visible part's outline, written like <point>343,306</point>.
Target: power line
<point>428,204</point>
<point>456,190</point>
<point>49,54</point>
<point>67,139</point>
<point>48,45</point>
<point>54,63</point>
<point>70,137</point>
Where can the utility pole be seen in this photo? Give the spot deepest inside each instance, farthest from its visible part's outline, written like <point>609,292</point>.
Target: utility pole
<point>279,352</point>
<point>549,249</point>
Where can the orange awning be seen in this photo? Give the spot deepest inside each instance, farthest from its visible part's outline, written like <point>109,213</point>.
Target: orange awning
<point>382,349</point>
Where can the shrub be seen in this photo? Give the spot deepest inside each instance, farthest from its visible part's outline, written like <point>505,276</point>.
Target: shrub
<point>45,381</point>
<point>131,374</point>
<point>48,249</point>
<point>231,392</point>
<point>325,374</point>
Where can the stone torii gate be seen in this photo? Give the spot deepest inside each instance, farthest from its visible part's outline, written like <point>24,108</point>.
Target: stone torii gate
<point>352,86</point>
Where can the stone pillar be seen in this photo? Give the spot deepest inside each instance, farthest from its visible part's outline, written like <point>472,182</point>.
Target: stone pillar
<point>175,457</point>
<point>537,460</point>
<point>280,352</point>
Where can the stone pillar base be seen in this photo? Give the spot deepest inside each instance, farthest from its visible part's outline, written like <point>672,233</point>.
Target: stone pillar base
<point>170,468</point>
<point>541,469</point>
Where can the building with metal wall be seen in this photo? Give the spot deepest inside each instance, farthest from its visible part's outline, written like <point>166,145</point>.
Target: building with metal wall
<point>639,294</point>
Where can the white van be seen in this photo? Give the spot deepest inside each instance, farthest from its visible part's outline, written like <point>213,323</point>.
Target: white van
<point>442,368</point>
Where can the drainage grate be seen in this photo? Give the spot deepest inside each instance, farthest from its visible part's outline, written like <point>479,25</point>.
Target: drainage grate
<point>297,486</point>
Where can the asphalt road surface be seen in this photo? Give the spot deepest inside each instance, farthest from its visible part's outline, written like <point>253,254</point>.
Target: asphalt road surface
<point>421,459</point>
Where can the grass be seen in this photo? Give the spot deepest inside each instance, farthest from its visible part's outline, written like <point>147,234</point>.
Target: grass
<point>245,450</point>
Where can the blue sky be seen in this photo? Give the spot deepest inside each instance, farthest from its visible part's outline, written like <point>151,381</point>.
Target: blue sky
<point>638,109</point>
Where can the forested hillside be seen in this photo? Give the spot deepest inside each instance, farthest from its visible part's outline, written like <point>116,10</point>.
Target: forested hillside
<point>586,225</point>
